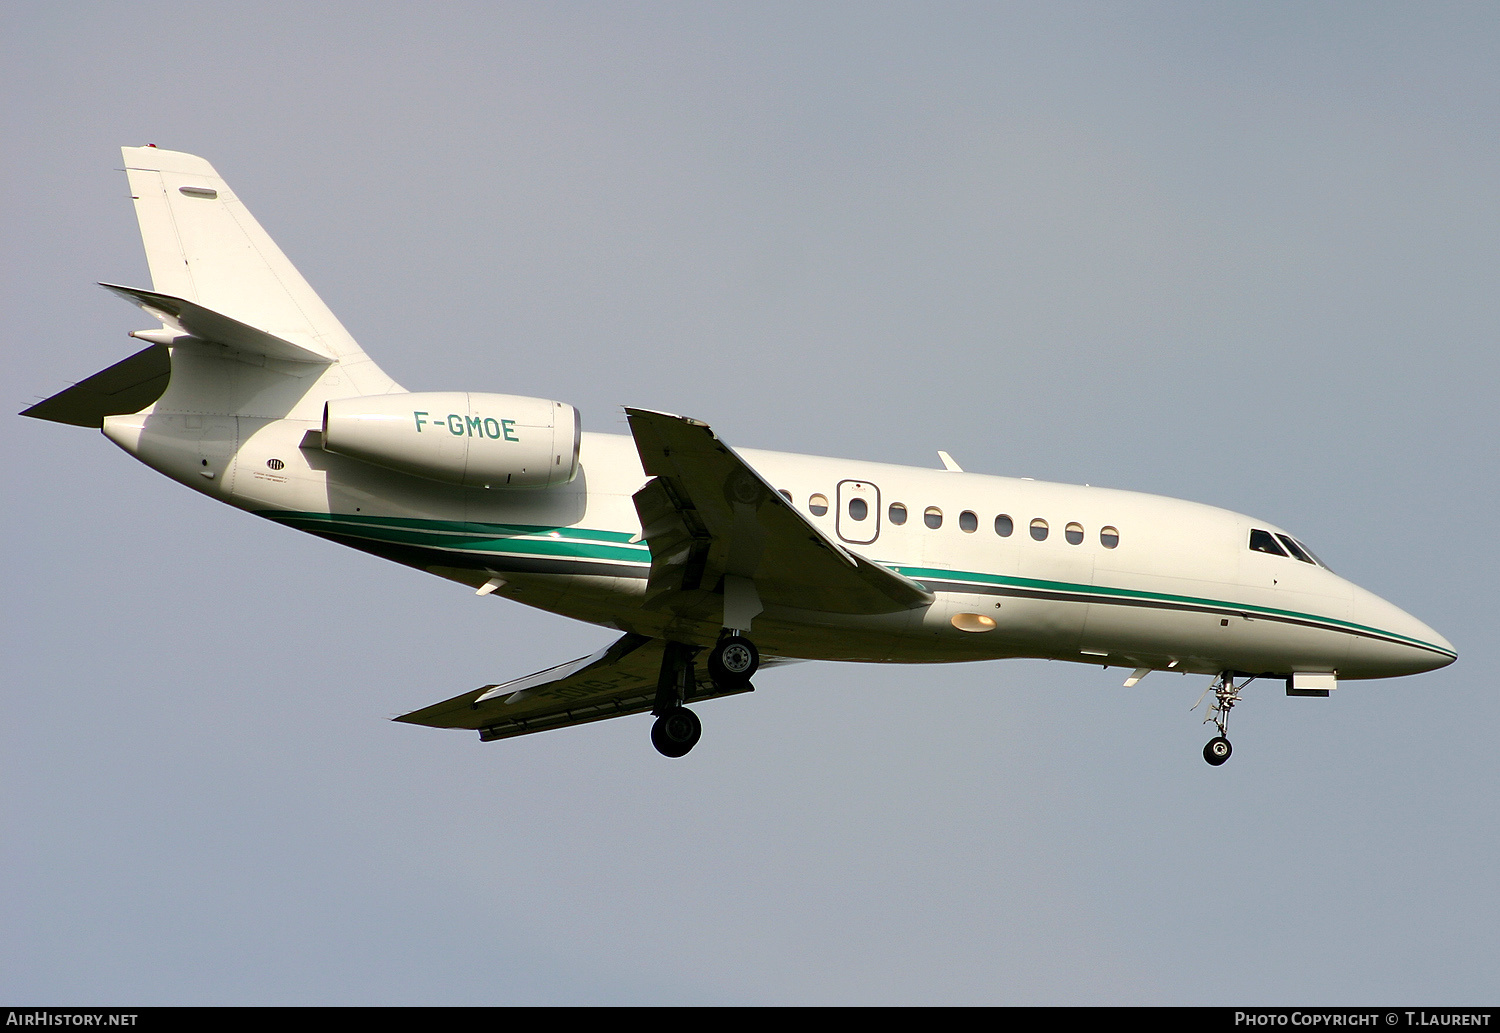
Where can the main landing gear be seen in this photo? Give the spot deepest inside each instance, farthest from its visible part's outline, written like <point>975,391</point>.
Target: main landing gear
<point>1226,695</point>
<point>733,660</point>
<point>676,732</point>
<point>731,663</point>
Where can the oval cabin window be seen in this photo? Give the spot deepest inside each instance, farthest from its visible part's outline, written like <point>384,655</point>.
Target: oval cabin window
<point>1109,537</point>
<point>1004,525</point>
<point>896,514</point>
<point>1074,533</point>
<point>933,517</point>
<point>818,505</point>
<point>967,521</point>
<point>1039,529</point>
<point>858,509</point>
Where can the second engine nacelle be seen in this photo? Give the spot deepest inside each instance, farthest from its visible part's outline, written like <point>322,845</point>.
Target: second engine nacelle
<point>459,437</point>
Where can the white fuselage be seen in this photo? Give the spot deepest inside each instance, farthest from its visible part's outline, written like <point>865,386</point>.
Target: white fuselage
<point>1170,584</point>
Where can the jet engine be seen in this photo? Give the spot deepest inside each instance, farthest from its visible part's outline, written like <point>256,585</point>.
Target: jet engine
<point>459,437</point>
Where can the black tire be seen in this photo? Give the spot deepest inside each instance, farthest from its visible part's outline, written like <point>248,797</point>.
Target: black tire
<point>676,732</point>
<point>1217,751</point>
<point>733,661</point>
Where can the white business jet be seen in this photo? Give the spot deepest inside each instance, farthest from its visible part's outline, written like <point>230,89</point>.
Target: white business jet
<point>711,562</point>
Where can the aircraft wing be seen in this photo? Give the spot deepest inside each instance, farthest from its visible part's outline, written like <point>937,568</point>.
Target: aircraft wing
<point>707,515</point>
<point>613,682</point>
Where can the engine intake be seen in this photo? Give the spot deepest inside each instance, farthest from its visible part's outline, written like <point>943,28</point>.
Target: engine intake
<point>459,437</point>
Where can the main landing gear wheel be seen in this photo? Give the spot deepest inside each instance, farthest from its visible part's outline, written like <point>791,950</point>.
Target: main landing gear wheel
<point>1217,751</point>
<point>676,732</point>
<point>733,661</point>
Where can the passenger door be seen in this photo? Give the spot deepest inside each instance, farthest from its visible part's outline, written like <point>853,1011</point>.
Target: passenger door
<point>858,520</point>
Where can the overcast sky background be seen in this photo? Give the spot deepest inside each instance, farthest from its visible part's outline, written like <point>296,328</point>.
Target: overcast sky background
<point>1239,253</point>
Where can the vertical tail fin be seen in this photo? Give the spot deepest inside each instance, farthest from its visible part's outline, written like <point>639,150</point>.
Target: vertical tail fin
<point>205,247</point>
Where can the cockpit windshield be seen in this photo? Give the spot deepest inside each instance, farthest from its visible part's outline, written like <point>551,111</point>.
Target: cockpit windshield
<point>1295,549</point>
<point>1283,545</point>
<point>1315,557</point>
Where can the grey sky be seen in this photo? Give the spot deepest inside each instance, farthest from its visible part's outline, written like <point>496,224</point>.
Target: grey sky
<point>1238,253</point>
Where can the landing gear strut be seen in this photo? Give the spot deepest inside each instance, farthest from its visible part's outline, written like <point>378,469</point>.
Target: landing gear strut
<point>677,729</point>
<point>1226,695</point>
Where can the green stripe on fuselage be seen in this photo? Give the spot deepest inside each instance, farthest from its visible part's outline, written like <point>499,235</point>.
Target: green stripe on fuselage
<point>596,544</point>
<point>518,539</point>
<point>1089,593</point>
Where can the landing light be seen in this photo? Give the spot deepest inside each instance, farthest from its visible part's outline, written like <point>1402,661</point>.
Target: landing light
<point>973,622</point>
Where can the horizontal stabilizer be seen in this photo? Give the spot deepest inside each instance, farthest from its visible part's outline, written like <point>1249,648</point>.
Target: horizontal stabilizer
<point>192,319</point>
<point>126,387</point>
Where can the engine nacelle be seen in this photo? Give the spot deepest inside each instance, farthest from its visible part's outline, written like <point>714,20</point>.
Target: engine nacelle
<point>459,437</point>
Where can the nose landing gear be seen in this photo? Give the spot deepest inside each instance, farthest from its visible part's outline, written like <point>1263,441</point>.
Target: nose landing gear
<point>1226,695</point>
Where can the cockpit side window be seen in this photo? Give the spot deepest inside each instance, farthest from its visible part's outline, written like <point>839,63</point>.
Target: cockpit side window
<point>1295,549</point>
<point>1263,541</point>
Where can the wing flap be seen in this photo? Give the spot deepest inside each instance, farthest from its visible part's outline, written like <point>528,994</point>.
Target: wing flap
<point>708,514</point>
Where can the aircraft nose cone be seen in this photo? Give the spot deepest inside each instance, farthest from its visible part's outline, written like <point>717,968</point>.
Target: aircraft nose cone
<point>1392,642</point>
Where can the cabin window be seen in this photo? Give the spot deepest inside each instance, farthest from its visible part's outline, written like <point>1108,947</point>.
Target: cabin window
<point>1262,541</point>
<point>1295,549</point>
<point>896,514</point>
<point>933,517</point>
<point>1004,525</point>
<point>1039,529</point>
<point>967,521</point>
<point>858,509</point>
<point>818,505</point>
<point>784,494</point>
<point>1109,537</point>
<point>1074,533</point>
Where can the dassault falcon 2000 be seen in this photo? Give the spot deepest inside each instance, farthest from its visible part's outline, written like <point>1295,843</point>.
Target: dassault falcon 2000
<point>711,562</point>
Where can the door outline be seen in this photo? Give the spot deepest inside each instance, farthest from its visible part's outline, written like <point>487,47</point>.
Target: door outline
<point>846,525</point>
